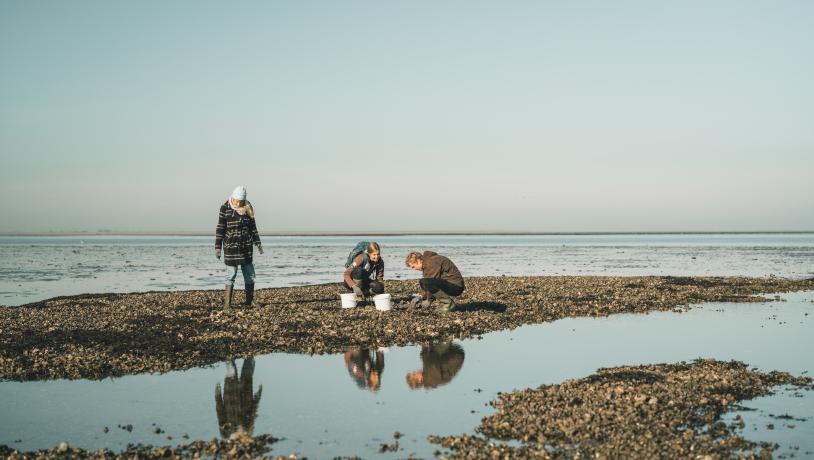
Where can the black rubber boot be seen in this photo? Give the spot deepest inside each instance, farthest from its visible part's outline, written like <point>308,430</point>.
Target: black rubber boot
<point>249,295</point>
<point>227,297</point>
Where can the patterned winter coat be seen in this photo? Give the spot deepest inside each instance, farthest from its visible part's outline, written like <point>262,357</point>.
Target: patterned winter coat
<point>236,234</point>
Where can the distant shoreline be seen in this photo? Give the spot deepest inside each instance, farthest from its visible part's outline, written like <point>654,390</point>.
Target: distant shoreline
<point>410,233</point>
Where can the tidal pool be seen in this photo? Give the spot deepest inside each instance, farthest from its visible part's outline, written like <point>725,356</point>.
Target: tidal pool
<point>348,404</point>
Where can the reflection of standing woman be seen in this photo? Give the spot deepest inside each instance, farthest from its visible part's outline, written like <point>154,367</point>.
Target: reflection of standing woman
<point>236,406</point>
<point>236,233</point>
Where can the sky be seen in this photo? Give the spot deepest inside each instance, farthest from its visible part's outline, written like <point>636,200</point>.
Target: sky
<point>376,116</point>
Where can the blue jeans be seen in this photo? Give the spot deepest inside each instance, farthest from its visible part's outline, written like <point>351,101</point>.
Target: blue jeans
<point>248,273</point>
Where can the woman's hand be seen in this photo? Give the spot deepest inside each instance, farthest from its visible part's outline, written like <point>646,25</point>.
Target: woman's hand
<point>217,253</point>
<point>358,292</point>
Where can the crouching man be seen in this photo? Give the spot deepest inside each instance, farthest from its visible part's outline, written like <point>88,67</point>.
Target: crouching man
<point>440,280</point>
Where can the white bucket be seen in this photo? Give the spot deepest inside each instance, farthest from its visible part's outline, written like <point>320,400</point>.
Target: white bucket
<point>382,302</point>
<point>348,300</point>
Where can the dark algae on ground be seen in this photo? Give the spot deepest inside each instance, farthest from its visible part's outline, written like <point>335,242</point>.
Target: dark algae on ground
<point>104,335</point>
<point>652,411</point>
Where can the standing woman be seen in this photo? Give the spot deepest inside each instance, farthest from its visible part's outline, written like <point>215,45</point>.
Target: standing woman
<point>235,234</point>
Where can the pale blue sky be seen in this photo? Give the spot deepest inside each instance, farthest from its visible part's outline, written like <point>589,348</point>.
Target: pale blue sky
<point>421,115</point>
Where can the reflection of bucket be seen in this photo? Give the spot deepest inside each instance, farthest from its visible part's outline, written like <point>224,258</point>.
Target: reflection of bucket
<point>348,300</point>
<point>382,302</point>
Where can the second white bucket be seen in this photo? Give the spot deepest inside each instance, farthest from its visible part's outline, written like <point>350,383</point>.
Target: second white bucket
<point>382,302</point>
<point>348,300</point>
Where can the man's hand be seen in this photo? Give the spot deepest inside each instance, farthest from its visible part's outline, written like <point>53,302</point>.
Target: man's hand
<point>358,291</point>
<point>260,248</point>
<point>418,301</point>
<point>217,253</point>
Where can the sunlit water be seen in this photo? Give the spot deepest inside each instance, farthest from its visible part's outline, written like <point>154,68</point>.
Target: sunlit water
<point>323,406</point>
<point>36,268</point>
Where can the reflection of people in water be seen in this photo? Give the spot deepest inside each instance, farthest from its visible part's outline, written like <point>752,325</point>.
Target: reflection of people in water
<point>441,361</point>
<point>236,406</point>
<point>365,367</point>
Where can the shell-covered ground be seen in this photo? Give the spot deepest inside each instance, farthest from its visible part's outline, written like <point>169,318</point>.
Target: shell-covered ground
<point>103,335</point>
<point>652,411</point>
<point>237,448</point>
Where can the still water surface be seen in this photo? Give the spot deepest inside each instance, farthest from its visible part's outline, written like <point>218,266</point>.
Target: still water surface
<point>347,404</point>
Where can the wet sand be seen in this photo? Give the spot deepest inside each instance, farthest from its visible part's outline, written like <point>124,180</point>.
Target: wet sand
<point>105,335</point>
<point>653,411</point>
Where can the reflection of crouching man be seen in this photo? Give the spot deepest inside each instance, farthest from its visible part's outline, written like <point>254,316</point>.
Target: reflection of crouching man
<point>440,279</point>
<point>441,361</point>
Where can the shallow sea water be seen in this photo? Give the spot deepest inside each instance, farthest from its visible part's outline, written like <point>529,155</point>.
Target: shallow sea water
<point>323,406</point>
<point>36,268</point>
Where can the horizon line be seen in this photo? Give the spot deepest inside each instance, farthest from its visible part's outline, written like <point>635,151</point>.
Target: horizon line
<point>411,233</point>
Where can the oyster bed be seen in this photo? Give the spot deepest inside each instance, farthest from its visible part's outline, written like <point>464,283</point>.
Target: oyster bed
<point>651,411</point>
<point>241,447</point>
<point>104,335</point>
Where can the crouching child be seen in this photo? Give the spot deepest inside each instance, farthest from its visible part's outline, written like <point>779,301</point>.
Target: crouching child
<point>441,280</point>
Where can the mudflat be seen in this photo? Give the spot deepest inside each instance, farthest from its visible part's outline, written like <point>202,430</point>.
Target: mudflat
<point>651,411</point>
<point>244,447</point>
<point>104,335</point>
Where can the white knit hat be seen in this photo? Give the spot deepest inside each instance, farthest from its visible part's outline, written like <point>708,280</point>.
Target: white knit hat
<point>239,193</point>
